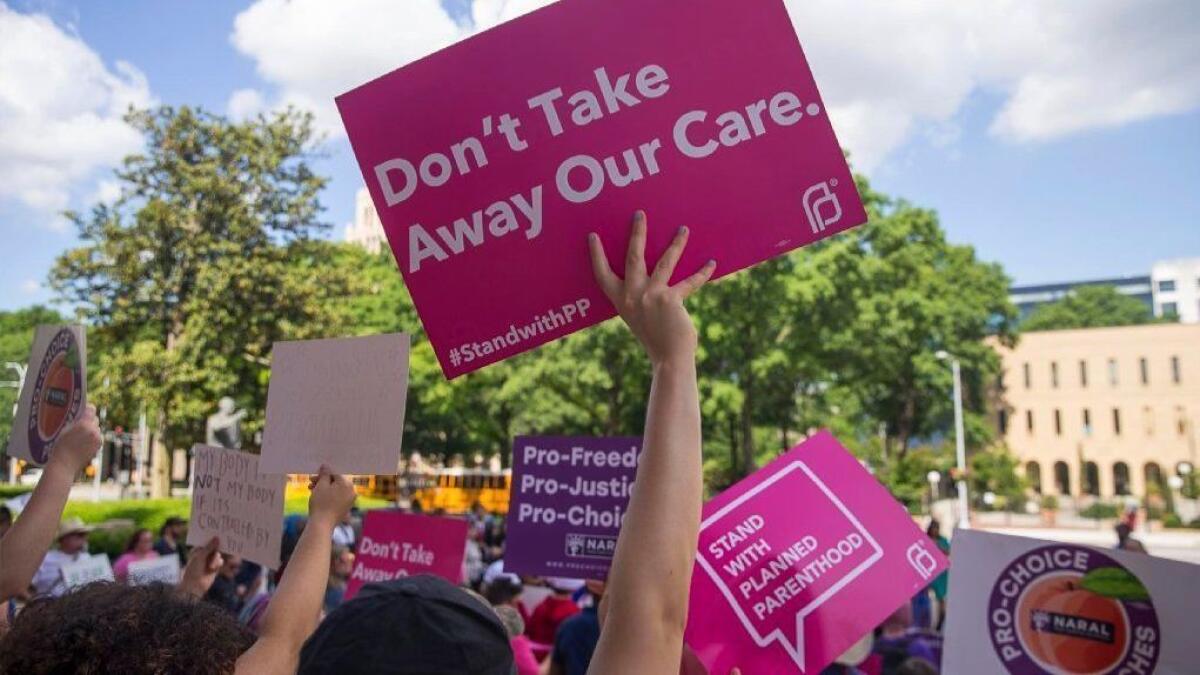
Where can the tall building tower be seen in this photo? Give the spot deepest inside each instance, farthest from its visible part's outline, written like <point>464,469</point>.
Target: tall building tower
<point>1177,289</point>
<point>366,230</point>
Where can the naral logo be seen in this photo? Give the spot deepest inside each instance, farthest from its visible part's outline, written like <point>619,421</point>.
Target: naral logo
<point>590,546</point>
<point>821,205</point>
<point>1072,610</point>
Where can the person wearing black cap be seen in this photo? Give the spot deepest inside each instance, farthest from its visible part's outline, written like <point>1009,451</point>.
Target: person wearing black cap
<point>422,624</point>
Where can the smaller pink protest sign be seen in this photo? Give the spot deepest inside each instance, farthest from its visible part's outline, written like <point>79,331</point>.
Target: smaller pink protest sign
<point>799,561</point>
<point>398,544</point>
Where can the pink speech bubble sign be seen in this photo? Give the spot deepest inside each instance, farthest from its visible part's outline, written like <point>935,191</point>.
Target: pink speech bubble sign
<point>853,553</point>
<point>805,556</point>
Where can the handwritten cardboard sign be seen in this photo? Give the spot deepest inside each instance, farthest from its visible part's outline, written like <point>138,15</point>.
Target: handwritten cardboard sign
<point>336,402</point>
<point>86,570</point>
<point>1028,606</point>
<point>54,393</point>
<point>491,161</point>
<point>799,561</point>
<point>232,499</point>
<point>398,544</point>
<point>164,569</point>
<point>568,500</point>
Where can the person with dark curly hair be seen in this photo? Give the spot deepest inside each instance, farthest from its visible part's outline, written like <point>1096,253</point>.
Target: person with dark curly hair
<point>106,628</point>
<point>112,628</point>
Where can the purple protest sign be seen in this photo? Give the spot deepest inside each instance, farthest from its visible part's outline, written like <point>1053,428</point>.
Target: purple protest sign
<point>569,497</point>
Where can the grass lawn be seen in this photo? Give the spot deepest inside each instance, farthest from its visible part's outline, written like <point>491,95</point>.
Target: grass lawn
<point>152,513</point>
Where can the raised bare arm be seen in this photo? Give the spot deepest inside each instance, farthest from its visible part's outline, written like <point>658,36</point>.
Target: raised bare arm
<point>295,609</point>
<point>25,544</point>
<point>648,585</point>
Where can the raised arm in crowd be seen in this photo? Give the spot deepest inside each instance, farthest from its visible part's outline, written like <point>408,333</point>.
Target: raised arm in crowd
<point>25,544</point>
<point>652,569</point>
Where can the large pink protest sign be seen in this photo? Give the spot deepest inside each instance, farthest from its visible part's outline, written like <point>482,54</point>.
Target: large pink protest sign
<point>491,161</point>
<point>799,561</point>
<point>398,544</point>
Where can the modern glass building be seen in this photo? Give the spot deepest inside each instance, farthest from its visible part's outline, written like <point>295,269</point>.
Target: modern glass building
<point>1172,288</point>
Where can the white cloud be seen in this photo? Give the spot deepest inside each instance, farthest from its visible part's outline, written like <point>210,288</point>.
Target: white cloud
<point>890,70</point>
<point>314,50</point>
<point>1118,62</point>
<point>489,13</point>
<point>245,103</point>
<point>30,286</point>
<point>60,110</point>
<point>107,191</point>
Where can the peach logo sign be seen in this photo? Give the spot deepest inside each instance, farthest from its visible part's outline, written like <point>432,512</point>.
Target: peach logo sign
<point>491,161</point>
<point>1032,607</point>
<point>54,392</point>
<point>1072,610</point>
<point>802,588</point>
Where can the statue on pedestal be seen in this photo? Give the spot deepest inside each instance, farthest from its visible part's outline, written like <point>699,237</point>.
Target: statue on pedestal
<point>224,428</point>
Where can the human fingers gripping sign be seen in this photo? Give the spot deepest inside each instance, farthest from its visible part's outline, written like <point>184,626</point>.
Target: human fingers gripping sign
<point>651,308</point>
<point>202,567</point>
<point>332,495</point>
<point>80,441</point>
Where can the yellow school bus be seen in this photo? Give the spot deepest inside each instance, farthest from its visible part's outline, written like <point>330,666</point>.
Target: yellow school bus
<point>455,490</point>
<point>452,490</point>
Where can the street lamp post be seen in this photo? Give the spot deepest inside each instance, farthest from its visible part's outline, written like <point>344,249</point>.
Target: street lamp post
<point>964,516</point>
<point>19,384</point>
<point>1185,470</point>
<point>1175,485</point>
<point>935,479</point>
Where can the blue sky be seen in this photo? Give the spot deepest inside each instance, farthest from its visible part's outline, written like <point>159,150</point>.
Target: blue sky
<point>1054,156</point>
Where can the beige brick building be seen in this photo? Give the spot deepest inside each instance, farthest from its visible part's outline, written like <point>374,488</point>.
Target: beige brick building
<point>1102,411</point>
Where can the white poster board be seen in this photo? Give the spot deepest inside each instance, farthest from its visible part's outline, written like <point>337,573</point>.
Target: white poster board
<point>54,393</point>
<point>336,402</point>
<point>164,569</point>
<point>232,500</point>
<point>86,570</point>
<point>1020,605</point>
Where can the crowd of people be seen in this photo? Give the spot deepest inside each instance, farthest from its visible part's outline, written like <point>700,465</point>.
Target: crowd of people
<point>419,624</point>
<point>228,615</point>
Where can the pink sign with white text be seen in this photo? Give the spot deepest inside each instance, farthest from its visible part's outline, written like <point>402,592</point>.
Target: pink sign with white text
<point>799,561</point>
<point>491,161</point>
<point>398,544</point>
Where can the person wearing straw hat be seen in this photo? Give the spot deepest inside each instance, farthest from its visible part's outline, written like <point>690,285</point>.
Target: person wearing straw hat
<point>72,546</point>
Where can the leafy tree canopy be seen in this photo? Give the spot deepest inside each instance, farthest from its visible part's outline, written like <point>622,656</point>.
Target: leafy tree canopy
<point>1089,307</point>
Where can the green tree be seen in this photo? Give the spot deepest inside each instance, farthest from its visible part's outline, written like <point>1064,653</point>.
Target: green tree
<point>207,258</point>
<point>1089,307</point>
<point>16,340</point>
<point>840,334</point>
<point>593,382</point>
<point>997,471</point>
<point>911,294</point>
